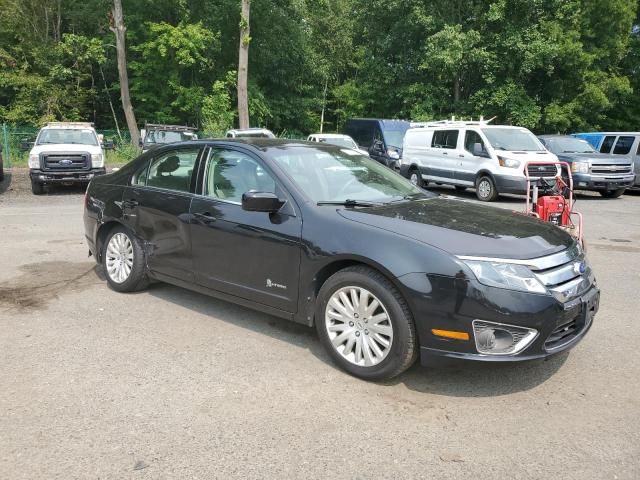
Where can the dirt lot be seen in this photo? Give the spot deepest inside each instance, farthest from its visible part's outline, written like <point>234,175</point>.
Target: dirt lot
<point>172,384</point>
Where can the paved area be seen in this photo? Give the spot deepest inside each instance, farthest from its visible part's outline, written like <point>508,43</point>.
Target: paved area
<point>172,384</point>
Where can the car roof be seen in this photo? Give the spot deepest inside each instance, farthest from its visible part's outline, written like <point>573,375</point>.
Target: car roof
<point>558,135</point>
<point>606,133</point>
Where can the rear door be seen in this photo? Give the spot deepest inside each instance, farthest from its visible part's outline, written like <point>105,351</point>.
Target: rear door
<point>444,155</point>
<point>156,208</point>
<point>607,143</point>
<point>252,255</point>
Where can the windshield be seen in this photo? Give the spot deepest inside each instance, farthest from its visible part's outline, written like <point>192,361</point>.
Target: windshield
<point>56,136</point>
<point>338,175</point>
<point>160,136</point>
<point>394,138</point>
<point>339,141</point>
<point>513,139</point>
<point>568,145</point>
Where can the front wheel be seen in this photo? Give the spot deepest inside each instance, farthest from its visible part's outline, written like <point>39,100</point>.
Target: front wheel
<point>365,325</point>
<point>37,188</point>
<point>123,260</point>
<point>416,178</point>
<point>486,189</point>
<point>612,193</point>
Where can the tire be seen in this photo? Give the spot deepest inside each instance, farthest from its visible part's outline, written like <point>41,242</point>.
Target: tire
<point>460,188</point>
<point>397,329</point>
<point>37,188</point>
<point>416,178</point>
<point>612,193</point>
<point>122,247</point>
<point>486,189</point>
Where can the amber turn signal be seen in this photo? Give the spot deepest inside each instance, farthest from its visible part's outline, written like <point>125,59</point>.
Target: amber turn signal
<point>450,334</point>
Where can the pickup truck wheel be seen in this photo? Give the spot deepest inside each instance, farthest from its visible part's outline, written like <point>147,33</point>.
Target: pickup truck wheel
<point>37,188</point>
<point>486,189</point>
<point>365,325</point>
<point>612,193</point>
<point>124,262</point>
<point>416,178</point>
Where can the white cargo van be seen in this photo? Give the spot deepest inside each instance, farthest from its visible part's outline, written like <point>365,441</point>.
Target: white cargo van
<point>489,158</point>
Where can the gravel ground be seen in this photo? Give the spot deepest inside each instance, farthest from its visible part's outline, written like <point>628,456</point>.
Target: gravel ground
<point>172,384</point>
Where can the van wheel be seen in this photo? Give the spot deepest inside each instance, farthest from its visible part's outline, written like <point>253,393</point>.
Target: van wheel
<point>365,324</point>
<point>612,193</point>
<point>416,178</point>
<point>486,189</point>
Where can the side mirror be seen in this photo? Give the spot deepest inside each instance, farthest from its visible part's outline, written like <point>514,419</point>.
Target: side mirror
<point>479,151</point>
<point>261,202</point>
<point>108,145</point>
<point>140,142</point>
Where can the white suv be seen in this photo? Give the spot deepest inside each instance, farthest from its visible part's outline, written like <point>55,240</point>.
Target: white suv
<point>65,153</point>
<point>489,158</point>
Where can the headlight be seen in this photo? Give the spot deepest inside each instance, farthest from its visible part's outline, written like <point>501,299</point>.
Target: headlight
<point>508,162</point>
<point>506,275</point>
<point>393,154</point>
<point>34,160</point>
<point>580,167</point>
<point>96,160</point>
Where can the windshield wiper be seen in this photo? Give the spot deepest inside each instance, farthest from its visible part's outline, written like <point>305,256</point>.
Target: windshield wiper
<point>350,203</point>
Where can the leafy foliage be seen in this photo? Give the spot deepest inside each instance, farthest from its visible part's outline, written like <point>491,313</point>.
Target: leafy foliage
<point>551,65</point>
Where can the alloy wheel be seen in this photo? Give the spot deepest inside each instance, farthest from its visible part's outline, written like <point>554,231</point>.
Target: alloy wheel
<point>484,188</point>
<point>358,326</point>
<point>119,257</point>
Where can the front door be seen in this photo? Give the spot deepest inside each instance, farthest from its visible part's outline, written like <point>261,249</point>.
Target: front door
<point>252,255</point>
<point>468,162</point>
<point>156,208</point>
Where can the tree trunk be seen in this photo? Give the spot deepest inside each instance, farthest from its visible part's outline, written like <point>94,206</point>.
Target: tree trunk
<point>243,65</point>
<point>456,88</point>
<point>119,30</point>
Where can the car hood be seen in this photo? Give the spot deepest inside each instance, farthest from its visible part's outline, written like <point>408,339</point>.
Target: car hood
<point>65,147</point>
<point>527,156</point>
<point>464,228</point>
<point>601,158</point>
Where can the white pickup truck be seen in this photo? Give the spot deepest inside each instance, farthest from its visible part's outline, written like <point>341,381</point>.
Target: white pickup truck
<point>65,153</point>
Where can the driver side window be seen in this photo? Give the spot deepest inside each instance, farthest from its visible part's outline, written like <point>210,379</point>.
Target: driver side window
<point>470,139</point>
<point>231,173</point>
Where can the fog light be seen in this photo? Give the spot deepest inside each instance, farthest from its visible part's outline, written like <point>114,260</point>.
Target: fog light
<point>500,339</point>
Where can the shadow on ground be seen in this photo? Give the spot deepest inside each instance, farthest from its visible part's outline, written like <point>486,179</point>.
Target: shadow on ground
<point>460,379</point>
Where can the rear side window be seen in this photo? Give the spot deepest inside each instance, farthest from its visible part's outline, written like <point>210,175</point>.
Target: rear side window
<point>445,139</point>
<point>623,145</point>
<point>638,152</point>
<point>173,170</point>
<point>607,144</point>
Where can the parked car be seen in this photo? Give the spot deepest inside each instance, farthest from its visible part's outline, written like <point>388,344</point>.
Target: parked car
<point>153,135</point>
<point>626,145</point>
<point>250,133</point>
<point>65,153</point>
<point>344,141</point>
<point>609,175</point>
<point>381,139</point>
<point>490,158</point>
<point>302,231</point>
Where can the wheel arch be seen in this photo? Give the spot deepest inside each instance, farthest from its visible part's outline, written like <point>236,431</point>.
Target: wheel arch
<point>101,235</point>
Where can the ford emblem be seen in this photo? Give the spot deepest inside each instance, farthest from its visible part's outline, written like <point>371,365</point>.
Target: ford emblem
<point>579,267</point>
<point>66,161</point>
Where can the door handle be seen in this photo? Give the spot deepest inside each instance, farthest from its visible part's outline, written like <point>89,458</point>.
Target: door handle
<point>130,203</point>
<point>461,156</point>
<point>445,153</point>
<point>205,217</point>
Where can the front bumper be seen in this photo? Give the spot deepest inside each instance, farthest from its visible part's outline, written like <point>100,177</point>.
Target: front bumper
<point>510,184</point>
<point>445,305</point>
<point>65,177</point>
<point>583,181</point>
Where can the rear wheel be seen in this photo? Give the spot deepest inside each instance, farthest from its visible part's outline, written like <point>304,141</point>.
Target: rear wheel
<point>37,188</point>
<point>365,324</point>
<point>486,189</point>
<point>123,260</point>
<point>612,193</point>
<point>416,178</point>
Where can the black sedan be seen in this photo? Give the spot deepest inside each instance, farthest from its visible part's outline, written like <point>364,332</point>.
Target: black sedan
<point>324,236</point>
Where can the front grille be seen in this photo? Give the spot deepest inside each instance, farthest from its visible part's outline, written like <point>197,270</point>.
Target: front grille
<point>542,170</point>
<point>608,169</point>
<point>566,275</point>
<point>66,161</point>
